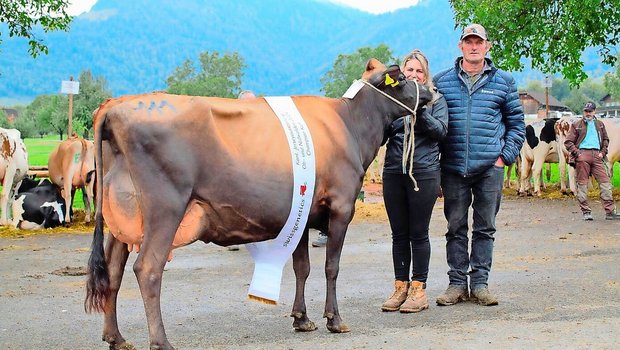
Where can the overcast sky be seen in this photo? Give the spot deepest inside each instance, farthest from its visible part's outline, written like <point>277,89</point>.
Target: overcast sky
<point>372,6</point>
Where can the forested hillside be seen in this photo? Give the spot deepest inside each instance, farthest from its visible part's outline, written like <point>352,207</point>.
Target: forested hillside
<point>287,45</point>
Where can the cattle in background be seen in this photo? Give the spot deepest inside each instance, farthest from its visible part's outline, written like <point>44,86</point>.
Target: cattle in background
<point>539,147</point>
<point>612,125</point>
<point>71,165</point>
<point>219,170</point>
<point>562,127</point>
<point>13,167</point>
<point>39,206</point>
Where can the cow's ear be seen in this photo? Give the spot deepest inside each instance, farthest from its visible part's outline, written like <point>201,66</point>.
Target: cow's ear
<point>373,66</point>
<point>393,76</point>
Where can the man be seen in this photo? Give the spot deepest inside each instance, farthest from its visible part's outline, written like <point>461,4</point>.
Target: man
<point>587,143</point>
<point>485,132</point>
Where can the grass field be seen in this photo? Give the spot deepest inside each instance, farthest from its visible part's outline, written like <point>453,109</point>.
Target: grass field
<point>555,174</point>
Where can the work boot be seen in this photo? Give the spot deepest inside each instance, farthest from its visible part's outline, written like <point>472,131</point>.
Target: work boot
<point>482,296</point>
<point>416,298</point>
<point>587,216</point>
<point>454,294</point>
<point>321,241</point>
<point>398,297</point>
<point>612,216</point>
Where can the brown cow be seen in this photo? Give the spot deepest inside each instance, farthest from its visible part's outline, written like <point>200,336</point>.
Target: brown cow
<point>71,165</point>
<point>177,169</point>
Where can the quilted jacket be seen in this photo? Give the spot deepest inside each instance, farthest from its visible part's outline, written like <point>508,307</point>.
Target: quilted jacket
<point>484,123</point>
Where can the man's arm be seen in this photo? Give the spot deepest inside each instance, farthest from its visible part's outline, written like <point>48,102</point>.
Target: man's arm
<point>512,114</point>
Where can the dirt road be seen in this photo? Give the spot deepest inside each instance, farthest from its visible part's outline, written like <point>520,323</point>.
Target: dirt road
<point>557,279</point>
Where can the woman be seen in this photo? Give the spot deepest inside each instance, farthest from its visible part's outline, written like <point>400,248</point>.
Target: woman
<point>410,189</point>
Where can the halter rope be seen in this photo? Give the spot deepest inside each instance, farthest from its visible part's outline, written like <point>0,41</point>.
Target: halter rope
<point>409,138</point>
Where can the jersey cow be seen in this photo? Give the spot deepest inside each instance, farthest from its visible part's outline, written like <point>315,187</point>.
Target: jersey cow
<point>71,166</point>
<point>39,206</point>
<point>13,167</point>
<point>177,169</point>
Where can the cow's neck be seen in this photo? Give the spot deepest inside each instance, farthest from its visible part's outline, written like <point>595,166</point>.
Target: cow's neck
<point>368,116</point>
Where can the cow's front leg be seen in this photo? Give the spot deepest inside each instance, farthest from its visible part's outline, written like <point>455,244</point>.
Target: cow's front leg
<point>116,257</point>
<point>301,266</point>
<point>335,240</point>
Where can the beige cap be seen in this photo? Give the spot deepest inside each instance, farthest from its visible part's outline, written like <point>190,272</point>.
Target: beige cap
<point>474,29</point>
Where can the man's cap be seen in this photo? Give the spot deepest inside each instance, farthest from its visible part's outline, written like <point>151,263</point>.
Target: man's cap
<point>589,106</point>
<point>474,29</point>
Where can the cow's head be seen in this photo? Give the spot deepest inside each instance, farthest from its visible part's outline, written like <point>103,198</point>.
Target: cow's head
<point>391,81</point>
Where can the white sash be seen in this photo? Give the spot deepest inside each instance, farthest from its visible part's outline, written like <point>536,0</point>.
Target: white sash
<point>271,256</point>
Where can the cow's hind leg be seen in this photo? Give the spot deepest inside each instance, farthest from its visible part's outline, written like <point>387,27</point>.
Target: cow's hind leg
<point>337,229</point>
<point>116,255</point>
<point>160,225</point>
<point>301,266</point>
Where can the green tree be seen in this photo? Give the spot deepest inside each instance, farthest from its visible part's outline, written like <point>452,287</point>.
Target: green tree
<point>553,34</point>
<point>218,76</point>
<point>612,81</point>
<point>589,90</point>
<point>4,121</point>
<point>50,113</point>
<point>93,92</point>
<point>23,17</point>
<point>347,68</point>
<point>560,89</point>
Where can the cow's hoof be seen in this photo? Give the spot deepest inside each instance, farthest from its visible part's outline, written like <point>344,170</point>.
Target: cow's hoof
<point>307,326</point>
<point>124,346</point>
<point>302,323</point>
<point>335,324</point>
<point>341,327</point>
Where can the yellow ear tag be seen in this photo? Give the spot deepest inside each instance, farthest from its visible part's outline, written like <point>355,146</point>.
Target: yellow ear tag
<point>389,81</point>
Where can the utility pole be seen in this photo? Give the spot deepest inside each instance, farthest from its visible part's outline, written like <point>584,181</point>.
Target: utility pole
<point>547,83</point>
<point>70,128</point>
<point>70,88</point>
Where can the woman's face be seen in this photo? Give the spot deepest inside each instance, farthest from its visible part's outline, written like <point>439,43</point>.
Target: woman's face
<point>414,71</point>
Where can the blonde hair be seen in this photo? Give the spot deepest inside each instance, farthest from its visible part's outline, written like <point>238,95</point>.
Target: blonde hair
<point>418,55</point>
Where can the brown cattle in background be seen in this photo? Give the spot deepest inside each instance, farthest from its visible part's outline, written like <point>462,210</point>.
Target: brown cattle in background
<point>71,166</point>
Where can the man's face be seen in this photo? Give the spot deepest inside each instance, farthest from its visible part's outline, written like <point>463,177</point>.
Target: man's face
<point>474,49</point>
<point>588,114</point>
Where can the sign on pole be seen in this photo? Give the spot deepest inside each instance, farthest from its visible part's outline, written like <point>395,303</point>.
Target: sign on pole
<point>70,87</point>
<point>547,82</point>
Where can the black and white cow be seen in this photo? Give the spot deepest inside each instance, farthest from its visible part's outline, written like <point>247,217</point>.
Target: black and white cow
<point>540,147</point>
<point>37,207</point>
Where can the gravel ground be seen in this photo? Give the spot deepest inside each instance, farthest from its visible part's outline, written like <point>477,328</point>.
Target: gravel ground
<point>557,279</point>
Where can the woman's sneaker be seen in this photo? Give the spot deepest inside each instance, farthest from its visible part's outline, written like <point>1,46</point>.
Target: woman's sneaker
<point>588,216</point>
<point>321,241</point>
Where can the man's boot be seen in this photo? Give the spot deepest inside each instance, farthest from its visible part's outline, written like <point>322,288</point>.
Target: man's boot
<point>454,294</point>
<point>416,298</point>
<point>398,297</point>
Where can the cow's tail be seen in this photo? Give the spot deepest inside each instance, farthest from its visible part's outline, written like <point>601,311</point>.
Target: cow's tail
<point>98,282</point>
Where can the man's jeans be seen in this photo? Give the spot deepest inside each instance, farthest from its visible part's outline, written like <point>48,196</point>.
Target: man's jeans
<point>486,190</point>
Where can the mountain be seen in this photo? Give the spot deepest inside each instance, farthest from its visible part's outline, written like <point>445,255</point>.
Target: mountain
<point>287,45</point>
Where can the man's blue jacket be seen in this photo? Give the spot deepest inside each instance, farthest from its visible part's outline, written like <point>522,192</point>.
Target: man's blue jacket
<point>484,123</point>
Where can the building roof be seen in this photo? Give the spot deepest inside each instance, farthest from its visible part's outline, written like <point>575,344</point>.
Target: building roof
<point>540,97</point>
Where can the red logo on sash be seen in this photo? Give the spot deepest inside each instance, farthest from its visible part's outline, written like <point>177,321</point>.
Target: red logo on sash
<point>302,189</point>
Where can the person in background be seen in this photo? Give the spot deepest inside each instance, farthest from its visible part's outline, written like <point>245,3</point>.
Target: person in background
<point>485,132</point>
<point>587,143</point>
<point>245,94</point>
<point>409,203</point>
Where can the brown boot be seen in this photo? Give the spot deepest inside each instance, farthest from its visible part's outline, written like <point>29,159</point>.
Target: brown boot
<point>416,298</point>
<point>397,298</point>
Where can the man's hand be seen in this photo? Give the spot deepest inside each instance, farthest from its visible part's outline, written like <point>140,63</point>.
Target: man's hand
<point>499,162</point>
